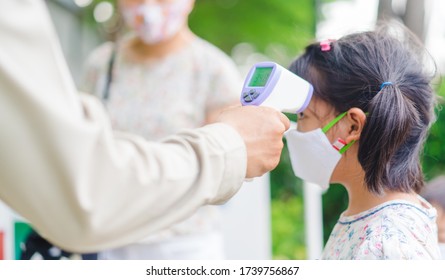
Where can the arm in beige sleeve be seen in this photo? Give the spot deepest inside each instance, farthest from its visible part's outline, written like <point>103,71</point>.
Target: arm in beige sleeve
<point>81,185</point>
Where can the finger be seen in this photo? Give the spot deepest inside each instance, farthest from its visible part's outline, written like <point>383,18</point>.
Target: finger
<point>285,120</point>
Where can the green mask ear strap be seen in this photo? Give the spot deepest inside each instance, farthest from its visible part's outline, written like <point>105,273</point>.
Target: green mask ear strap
<point>333,122</point>
<point>345,148</point>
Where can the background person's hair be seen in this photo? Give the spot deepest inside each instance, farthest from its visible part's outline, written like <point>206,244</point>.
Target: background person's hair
<point>350,75</point>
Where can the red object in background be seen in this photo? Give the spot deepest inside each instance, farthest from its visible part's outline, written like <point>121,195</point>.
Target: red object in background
<point>2,248</point>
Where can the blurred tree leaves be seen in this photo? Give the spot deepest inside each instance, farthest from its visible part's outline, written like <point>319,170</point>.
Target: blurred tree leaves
<point>258,22</point>
<point>434,152</point>
<point>335,201</point>
<point>288,228</point>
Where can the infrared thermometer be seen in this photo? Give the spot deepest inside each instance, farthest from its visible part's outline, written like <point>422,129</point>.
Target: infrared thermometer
<point>270,84</point>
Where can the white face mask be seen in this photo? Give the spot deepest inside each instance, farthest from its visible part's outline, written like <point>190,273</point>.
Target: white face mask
<point>159,22</point>
<point>312,156</point>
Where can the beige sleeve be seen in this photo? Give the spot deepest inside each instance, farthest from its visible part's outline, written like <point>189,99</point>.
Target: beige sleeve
<point>83,186</point>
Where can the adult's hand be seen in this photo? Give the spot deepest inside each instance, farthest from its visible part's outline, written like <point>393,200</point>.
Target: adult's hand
<point>262,130</point>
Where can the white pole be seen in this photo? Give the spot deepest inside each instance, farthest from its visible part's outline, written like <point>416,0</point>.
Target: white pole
<point>246,222</point>
<point>313,217</point>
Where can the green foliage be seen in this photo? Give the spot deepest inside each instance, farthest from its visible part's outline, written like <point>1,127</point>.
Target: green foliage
<point>88,11</point>
<point>284,184</point>
<point>434,152</point>
<point>227,23</point>
<point>335,201</point>
<point>288,229</point>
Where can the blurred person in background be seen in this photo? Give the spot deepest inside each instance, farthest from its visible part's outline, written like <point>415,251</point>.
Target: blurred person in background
<point>434,192</point>
<point>156,80</point>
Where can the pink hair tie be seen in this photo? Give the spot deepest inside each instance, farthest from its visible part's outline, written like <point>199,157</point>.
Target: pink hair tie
<point>326,45</point>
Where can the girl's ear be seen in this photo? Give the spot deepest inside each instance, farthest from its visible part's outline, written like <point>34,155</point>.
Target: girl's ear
<point>356,119</point>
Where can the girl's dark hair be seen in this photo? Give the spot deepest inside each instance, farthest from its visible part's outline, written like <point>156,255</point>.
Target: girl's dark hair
<point>350,75</point>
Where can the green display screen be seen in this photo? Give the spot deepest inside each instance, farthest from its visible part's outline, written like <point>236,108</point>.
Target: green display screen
<point>260,76</point>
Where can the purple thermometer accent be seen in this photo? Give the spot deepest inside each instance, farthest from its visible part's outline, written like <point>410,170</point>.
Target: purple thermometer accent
<point>308,99</point>
<point>256,95</point>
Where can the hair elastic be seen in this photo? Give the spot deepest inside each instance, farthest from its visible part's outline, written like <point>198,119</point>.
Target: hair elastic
<point>326,45</point>
<point>385,84</point>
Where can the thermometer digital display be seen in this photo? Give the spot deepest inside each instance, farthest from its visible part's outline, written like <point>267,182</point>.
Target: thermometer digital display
<point>270,84</point>
<point>260,76</point>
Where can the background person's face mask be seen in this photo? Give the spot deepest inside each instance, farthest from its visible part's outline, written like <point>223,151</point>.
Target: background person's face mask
<point>155,23</point>
<point>312,156</point>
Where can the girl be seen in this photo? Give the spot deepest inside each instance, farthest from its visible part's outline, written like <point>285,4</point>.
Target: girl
<point>365,128</point>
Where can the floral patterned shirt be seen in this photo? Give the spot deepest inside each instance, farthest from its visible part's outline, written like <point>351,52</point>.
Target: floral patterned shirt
<point>157,98</point>
<point>396,229</point>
